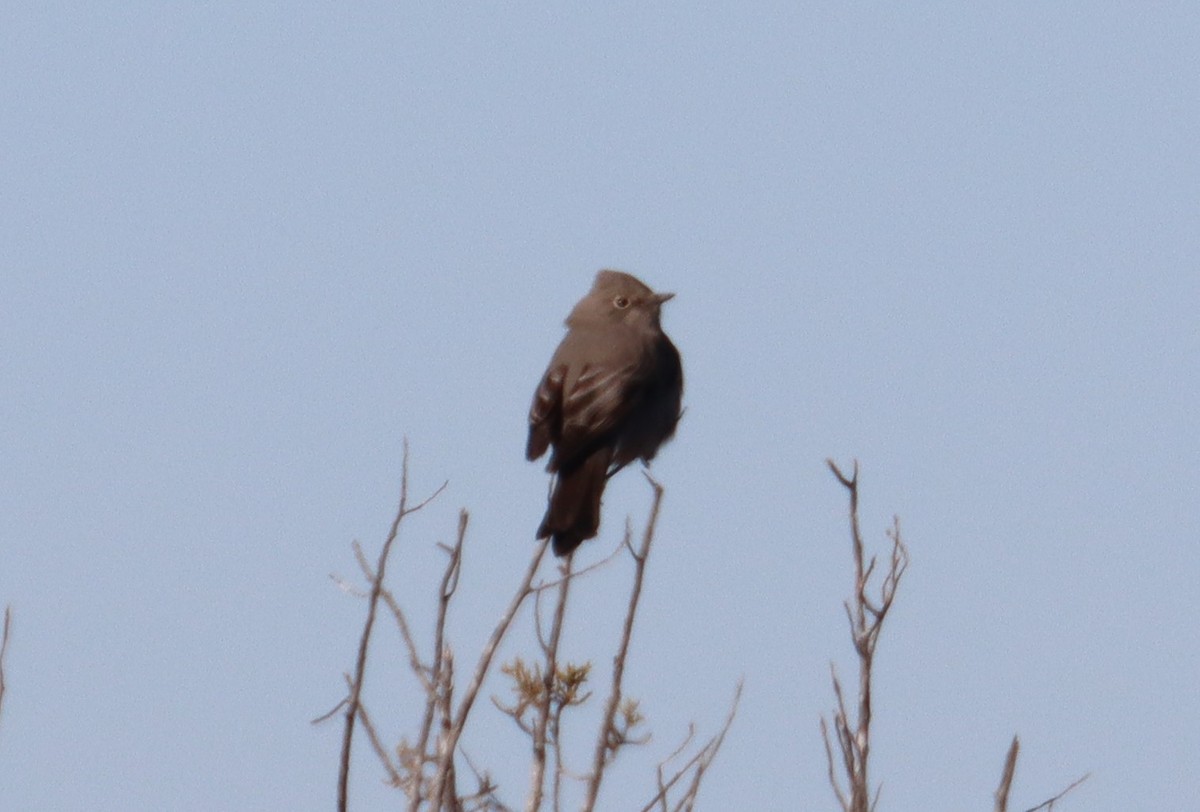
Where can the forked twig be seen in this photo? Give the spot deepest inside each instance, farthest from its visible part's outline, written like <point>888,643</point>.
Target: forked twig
<point>352,703</point>
<point>376,743</point>
<point>438,685</point>
<point>545,702</point>
<point>455,726</point>
<point>866,616</point>
<point>698,764</point>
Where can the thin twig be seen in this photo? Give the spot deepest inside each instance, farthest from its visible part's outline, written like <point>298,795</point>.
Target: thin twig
<point>377,743</point>
<point>577,574</point>
<point>4,652</point>
<point>698,763</point>
<point>454,728</point>
<point>606,742</point>
<point>389,600</point>
<point>833,780</point>
<point>487,789</point>
<point>865,617</point>
<point>1006,779</point>
<point>665,786</point>
<point>446,590</point>
<point>445,784</point>
<point>324,717</point>
<point>546,698</point>
<point>364,642</point>
<point>1049,803</point>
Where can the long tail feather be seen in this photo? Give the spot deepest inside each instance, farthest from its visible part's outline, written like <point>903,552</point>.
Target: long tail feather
<point>573,515</point>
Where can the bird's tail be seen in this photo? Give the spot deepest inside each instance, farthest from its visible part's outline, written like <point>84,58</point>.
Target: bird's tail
<point>573,515</point>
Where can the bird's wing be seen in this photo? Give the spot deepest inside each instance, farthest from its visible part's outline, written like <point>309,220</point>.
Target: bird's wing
<point>545,415</point>
<point>590,386</point>
<point>575,409</point>
<point>594,402</point>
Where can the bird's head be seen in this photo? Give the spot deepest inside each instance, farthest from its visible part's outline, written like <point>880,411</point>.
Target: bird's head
<point>618,298</point>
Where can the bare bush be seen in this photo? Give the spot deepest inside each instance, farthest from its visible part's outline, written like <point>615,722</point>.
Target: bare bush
<point>848,771</point>
<point>436,774</point>
<point>430,767</point>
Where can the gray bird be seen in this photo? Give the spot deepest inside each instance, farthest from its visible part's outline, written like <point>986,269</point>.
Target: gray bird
<point>611,394</point>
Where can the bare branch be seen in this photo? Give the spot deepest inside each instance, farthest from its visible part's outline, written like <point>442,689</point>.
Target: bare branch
<point>376,743</point>
<point>1010,768</point>
<point>708,753</point>
<point>665,786</point>
<point>365,640</point>
<point>565,690</point>
<point>577,574</point>
<point>454,728</point>
<point>866,616</point>
<point>437,678</point>
<point>4,651</point>
<point>446,590</point>
<point>1049,803</point>
<point>546,697</point>
<point>445,783</point>
<point>389,600</point>
<point>425,769</point>
<point>347,587</point>
<point>697,765</point>
<point>606,743</point>
<point>329,714</point>
<point>833,780</point>
<point>851,482</point>
<point>486,793</point>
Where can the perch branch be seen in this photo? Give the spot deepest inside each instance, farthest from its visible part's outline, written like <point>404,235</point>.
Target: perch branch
<point>606,742</point>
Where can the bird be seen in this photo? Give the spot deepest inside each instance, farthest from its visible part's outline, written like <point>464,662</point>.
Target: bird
<point>611,394</point>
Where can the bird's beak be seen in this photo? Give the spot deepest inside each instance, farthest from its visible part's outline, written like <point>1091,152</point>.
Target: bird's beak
<point>659,298</point>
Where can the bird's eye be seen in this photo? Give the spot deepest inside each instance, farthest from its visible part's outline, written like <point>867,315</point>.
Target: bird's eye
<point>621,302</point>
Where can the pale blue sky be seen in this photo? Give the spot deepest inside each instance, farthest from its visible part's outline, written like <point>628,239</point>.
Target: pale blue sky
<point>245,248</point>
